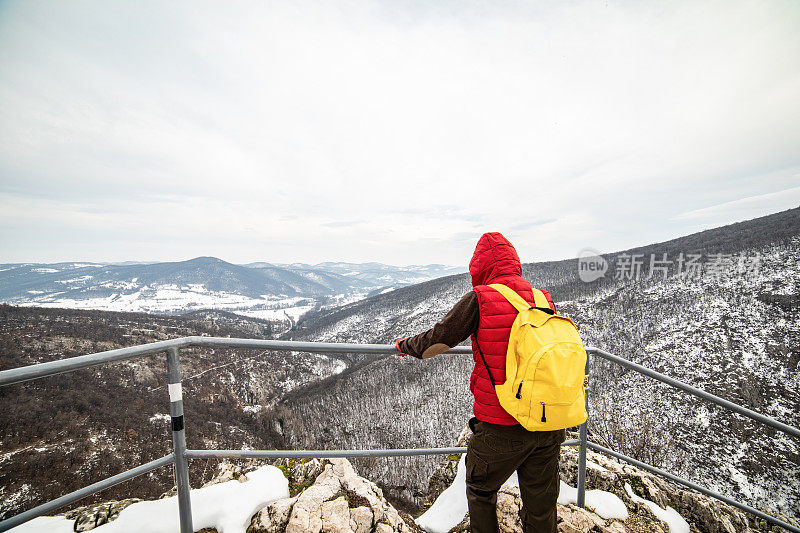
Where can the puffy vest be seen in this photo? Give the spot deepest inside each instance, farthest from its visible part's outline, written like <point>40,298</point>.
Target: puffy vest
<point>495,261</point>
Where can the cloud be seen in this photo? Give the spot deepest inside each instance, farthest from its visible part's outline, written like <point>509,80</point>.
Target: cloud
<point>748,207</point>
<point>261,130</point>
<point>531,224</point>
<point>343,223</point>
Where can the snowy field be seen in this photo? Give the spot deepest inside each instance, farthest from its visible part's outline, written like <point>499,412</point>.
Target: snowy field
<point>181,299</point>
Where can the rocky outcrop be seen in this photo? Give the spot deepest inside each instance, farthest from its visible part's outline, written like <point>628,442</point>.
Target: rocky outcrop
<point>92,516</point>
<point>337,501</point>
<point>227,472</point>
<point>571,519</point>
<point>704,514</point>
<point>444,475</point>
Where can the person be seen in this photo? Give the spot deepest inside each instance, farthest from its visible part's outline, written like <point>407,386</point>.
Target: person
<point>499,445</point>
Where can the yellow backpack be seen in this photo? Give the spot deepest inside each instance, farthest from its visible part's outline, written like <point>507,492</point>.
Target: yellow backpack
<point>545,365</point>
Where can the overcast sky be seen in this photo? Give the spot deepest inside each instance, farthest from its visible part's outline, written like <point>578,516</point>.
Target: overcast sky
<point>392,131</point>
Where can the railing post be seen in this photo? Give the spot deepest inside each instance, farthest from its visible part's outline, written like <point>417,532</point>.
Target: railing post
<point>179,440</point>
<point>583,438</point>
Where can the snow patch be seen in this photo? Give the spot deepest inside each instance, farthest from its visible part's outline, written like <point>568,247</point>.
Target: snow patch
<point>46,524</point>
<point>227,506</point>
<point>74,280</point>
<point>592,464</point>
<point>450,507</point>
<point>605,504</point>
<point>669,515</point>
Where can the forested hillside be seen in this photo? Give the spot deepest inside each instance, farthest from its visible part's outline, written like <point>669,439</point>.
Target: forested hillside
<point>60,433</point>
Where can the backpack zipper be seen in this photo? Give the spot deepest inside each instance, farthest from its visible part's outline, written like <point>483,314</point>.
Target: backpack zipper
<point>519,390</point>
<point>543,417</point>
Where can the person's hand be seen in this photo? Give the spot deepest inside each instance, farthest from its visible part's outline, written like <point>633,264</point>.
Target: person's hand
<point>397,345</point>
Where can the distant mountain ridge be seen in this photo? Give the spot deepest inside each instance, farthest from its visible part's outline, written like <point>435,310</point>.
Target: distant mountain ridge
<point>261,289</point>
<point>372,275</point>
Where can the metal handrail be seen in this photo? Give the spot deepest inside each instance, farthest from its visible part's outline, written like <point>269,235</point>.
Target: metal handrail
<point>795,432</point>
<point>690,484</point>
<point>51,368</point>
<point>74,496</point>
<point>179,457</point>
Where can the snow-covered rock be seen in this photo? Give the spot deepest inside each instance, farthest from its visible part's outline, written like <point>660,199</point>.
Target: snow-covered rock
<point>338,501</point>
<point>225,506</point>
<point>92,516</point>
<point>704,514</point>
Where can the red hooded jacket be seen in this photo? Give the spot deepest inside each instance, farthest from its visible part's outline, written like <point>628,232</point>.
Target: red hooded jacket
<point>495,261</point>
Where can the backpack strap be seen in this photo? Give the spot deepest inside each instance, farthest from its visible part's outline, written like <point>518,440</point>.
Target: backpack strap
<point>494,385</point>
<point>541,303</point>
<point>539,299</point>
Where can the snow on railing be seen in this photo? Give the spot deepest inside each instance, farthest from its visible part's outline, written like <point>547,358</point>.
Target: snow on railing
<point>180,456</point>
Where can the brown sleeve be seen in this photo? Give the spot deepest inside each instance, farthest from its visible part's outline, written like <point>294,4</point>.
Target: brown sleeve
<point>458,324</point>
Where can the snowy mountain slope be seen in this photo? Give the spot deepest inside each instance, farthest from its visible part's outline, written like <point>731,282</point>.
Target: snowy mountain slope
<point>385,277</point>
<point>724,335</point>
<point>214,274</point>
<point>277,292</point>
<point>374,275</point>
<point>735,335</point>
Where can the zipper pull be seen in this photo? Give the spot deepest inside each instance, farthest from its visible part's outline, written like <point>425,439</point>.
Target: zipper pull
<point>519,390</point>
<point>543,417</point>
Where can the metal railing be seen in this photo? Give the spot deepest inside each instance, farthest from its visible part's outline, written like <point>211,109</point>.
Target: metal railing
<point>180,455</point>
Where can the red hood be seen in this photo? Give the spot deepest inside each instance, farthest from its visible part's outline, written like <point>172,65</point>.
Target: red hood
<point>494,257</point>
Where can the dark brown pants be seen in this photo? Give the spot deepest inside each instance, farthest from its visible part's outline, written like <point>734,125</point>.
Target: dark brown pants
<point>493,454</point>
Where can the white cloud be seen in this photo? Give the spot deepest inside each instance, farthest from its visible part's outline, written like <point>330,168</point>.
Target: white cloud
<point>748,207</point>
<point>164,131</point>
